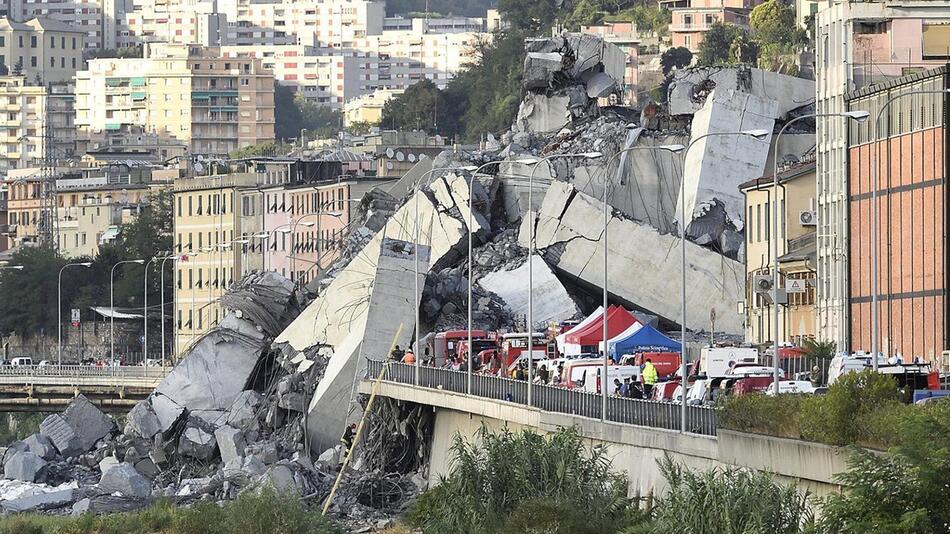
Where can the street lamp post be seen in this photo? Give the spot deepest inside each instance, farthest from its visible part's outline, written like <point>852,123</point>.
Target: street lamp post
<point>59,299</point>
<point>161,292</point>
<point>529,318</point>
<point>145,316</point>
<point>874,229</point>
<point>684,379</point>
<point>471,235</point>
<point>112,307</point>
<point>860,116</point>
<point>603,381</point>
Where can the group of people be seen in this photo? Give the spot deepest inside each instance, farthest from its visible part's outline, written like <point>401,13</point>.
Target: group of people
<point>408,357</point>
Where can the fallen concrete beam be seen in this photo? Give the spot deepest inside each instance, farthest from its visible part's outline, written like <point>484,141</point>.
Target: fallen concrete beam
<point>690,87</point>
<point>551,301</point>
<point>643,265</point>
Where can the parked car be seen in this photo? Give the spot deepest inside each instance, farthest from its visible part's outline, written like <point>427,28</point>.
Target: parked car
<point>23,361</point>
<point>793,386</point>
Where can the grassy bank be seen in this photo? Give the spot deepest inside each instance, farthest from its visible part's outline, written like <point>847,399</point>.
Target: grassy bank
<point>267,513</point>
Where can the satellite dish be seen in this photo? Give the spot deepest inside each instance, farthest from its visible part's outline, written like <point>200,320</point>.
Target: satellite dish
<point>400,156</point>
<point>422,157</point>
<point>412,158</point>
<point>199,168</point>
<point>389,165</point>
<point>390,153</point>
<point>199,157</point>
<point>438,139</point>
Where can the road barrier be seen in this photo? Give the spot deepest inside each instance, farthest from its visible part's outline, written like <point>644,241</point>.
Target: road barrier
<point>666,415</point>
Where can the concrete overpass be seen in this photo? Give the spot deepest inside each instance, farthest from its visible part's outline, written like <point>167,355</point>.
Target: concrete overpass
<point>52,387</point>
<point>637,433</point>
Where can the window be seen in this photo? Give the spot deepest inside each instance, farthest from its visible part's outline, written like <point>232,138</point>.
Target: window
<point>21,41</point>
<point>768,221</point>
<point>758,222</point>
<point>52,62</point>
<point>52,42</point>
<point>33,61</point>
<point>74,43</point>
<point>32,41</point>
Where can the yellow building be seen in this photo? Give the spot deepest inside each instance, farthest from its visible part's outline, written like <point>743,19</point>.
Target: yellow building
<point>182,93</point>
<point>796,254</point>
<point>42,50</point>
<point>207,224</point>
<point>90,216</point>
<point>368,108</point>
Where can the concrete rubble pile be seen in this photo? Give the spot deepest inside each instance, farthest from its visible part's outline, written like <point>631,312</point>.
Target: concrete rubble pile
<point>563,78</point>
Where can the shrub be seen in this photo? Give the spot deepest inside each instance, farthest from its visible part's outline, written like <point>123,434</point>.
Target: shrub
<point>841,417</point>
<point>763,414</point>
<point>728,501</point>
<point>500,481</point>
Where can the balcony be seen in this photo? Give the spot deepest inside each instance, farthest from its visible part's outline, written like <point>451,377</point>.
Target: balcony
<point>691,27</point>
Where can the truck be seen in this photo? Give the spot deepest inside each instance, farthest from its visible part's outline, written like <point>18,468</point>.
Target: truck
<point>666,363</point>
<point>444,345</point>
<point>513,348</point>
<point>716,362</point>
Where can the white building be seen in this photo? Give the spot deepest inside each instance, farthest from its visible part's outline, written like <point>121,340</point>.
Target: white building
<point>858,43</point>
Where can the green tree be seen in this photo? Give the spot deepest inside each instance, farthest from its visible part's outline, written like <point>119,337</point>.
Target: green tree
<point>361,127</point>
<point>717,44</point>
<point>422,107</point>
<point>288,118</point>
<point>774,22</point>
<point>532,16</point>
<point>675,58</point>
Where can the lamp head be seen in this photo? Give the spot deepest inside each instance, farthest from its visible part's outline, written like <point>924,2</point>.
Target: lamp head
<point>17,267</point>
<point>84,264</point>
<point>857,115</point>
<point>469,168</point>
<point>758,134</point>
<point>591,155</point>
<point>527,161</point>
<point>140,262</point>
<point>284,230</point>
<point>262,235</point>
<point>672,148</point>
<point>308,224</point>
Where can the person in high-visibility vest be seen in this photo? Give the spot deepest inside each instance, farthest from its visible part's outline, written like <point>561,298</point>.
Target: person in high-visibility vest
<point>650,378</point>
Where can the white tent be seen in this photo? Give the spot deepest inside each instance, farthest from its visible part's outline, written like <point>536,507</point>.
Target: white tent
<point>598,313</point>
<point>620,337</point>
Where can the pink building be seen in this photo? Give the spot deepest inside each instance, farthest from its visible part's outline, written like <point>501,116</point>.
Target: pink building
<point>691,20</point>
<point>624,35</point>
<point>306,225</point>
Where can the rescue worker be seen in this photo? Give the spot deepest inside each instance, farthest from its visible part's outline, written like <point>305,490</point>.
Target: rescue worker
<point>617,386</point>
<point>409,357</point>
<point>396,354</point>
<point>650,378</point>
<point>348,435</point>
<point>625,388</point>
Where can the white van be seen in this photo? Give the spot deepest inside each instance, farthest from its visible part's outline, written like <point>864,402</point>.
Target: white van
<point>843,364</point>
<point>715,362</point>
<point>619,372</point>
<point>21,361</point>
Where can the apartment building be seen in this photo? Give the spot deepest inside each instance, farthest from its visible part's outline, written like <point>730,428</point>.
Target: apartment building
<point>795,200</point>
<point>183,22</point>
<point>86,16</point>
<point>859,43</point>
<point>625,36</point>
<point>41,50</point>
<point>399,59</point>
<point>207,224</point>
<point>32,116</point>
<point>910,152</point>
<point>306,224</point>
<point>693,18</point>
<point>368,108</point>
<point>181,93</point>
<point>91,216</point>
<point>323,76</point>
<point>25,189</point>
<point>325,24</point>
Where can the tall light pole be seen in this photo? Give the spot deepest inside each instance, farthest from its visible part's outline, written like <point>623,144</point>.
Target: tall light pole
<point>471,235</point>
<point>173,257</point>
<point>145,315</point>
<point>112,308</point>
<point>59,299</point>
<point>529,318</point>
<point>668,148</point>
<point>291,228</point>
<point>416,188</point>
<point>874,230</point>
<point>859,116</point>
<point>684,379</point>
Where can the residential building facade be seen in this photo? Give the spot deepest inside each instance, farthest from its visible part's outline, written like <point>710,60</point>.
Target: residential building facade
<point>41,50</point>
<point>909,151</point>
<point>693,18</point>
<point>181,93</point>
<point>858,43</point>
<point>91,216</point>
<point>87,16</point>
<point>795,200</point>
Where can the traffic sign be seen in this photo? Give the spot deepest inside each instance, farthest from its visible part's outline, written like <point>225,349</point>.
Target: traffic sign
<point>794,286</point>
<point>74,315</point>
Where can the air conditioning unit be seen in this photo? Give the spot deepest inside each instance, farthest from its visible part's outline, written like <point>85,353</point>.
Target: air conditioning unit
<point>808,218</point>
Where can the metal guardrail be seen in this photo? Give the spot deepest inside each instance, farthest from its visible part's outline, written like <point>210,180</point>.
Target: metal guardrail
<point>664,415</point>
<point>82,374</point>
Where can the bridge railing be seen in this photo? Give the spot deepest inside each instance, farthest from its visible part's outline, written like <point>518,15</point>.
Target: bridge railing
<point>665,415</point>
<point>28,372</point>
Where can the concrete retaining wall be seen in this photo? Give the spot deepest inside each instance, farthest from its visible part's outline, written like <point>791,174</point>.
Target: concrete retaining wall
<point>634,450</point>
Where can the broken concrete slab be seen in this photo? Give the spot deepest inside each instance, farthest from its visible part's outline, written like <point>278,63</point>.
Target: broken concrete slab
<point>125,480</point>
<point>197,442</point>
<point>64,438</point>
<point>107,463</point>
<point>106,504</point>
<point>691,86</point>
<point>39,501</point>
<point>88,422</point>
<point>244,411</point>
<point>231,443</point>
<point>41,446</point>
<point>716,165</point>
<point>551,301</point>
<point>25,466</point>
<point>569,232</point>
<point>142,421</point>
<point>168,412</point>
<point>280,478</point>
